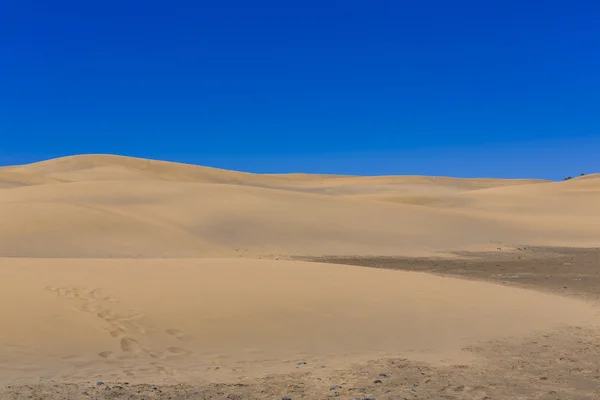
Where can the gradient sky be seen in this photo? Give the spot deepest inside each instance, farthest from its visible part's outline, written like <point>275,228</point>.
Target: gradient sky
<point>462,88</point>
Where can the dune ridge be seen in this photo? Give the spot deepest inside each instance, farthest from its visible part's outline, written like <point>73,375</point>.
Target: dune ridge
<point>113,167</point>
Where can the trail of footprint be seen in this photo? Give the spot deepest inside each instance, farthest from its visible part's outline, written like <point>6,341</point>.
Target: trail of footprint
<point>119,325</point>
<point>89,296</point>
<point>84,293</point>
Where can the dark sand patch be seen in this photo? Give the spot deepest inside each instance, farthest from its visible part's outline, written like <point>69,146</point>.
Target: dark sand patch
<point>559,270</point>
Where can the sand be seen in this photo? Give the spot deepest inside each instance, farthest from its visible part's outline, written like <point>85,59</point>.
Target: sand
<point>140,208</point>
<point>122,269</point>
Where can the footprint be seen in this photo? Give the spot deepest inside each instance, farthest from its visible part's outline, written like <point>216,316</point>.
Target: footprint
<point>177,352</point>
<point>65,293</point>
<point>172,353</point>
<point>117,332</point>
<point>129,316</point>
<point>129,345</point>
<point>141,329</point>
<point>91,293</point>
<point>107,355</point>
<point>163,369</point>
<point>179,335</point>
<point>160,368</point>
<point>111,315</point>
<point>90,308</point>
<point>107,315</point>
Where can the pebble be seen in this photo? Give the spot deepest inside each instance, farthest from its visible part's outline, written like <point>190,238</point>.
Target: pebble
<point>377,381</point>
<point>286,398</point>
<point>99,383</point>
<point>335,387</point>
<point>383,375</point>
<point>154,387</point>
<point>117,387</point>
<point>107,388</point>
<point>301,363</point>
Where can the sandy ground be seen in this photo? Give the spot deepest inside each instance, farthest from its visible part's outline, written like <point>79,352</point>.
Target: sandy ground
<point>213,284</point>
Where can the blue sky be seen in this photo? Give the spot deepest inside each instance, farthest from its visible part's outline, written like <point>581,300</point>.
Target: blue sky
<point>461,88</point>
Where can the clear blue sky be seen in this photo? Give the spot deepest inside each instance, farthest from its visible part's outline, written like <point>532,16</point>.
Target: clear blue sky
<point>464,88</point>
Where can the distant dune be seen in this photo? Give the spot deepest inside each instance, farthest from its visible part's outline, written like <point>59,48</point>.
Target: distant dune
<point>148,271</point>
<point>111,206</point>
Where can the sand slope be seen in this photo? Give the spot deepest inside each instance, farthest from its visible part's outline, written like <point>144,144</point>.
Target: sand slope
<point>109,206</point>
<point>157,320</point>
<point>173,219</point>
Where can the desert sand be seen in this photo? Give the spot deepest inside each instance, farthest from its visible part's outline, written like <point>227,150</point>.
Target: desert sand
<point>119,269</point>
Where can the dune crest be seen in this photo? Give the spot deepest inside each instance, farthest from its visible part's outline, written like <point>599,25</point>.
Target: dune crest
<point>113,167</point>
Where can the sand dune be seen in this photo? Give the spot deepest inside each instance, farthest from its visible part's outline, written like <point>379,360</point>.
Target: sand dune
<point>109,206</point>
<point>138,269</point>
<point>168,219</point>
<point>172,219</point>
<point>571,209</point>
